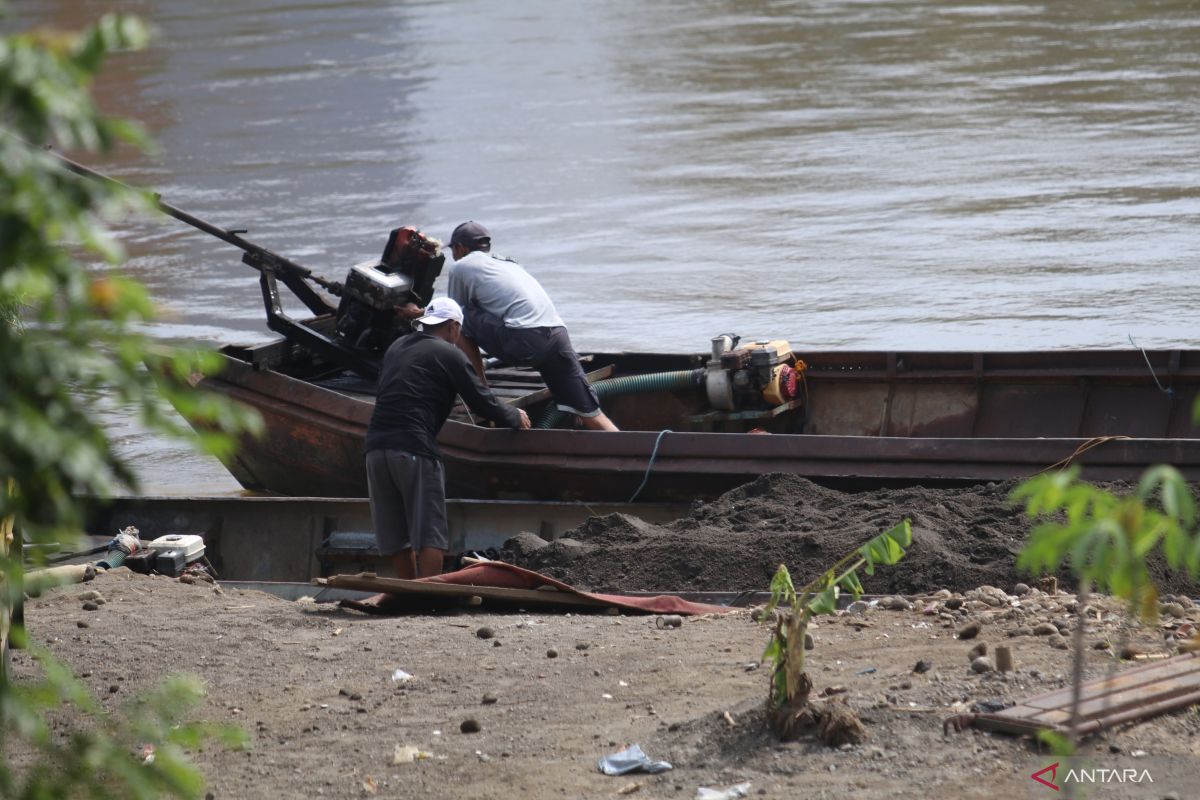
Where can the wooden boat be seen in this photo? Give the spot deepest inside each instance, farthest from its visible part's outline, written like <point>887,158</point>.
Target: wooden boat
<point>703,423</point>
<point>864,419</point>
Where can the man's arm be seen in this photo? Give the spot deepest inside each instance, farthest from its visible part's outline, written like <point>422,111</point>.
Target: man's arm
<point>480,399</point>
<point>471,351</point>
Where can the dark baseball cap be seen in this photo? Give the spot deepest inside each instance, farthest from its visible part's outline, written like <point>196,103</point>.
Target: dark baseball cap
<point>469,233</point>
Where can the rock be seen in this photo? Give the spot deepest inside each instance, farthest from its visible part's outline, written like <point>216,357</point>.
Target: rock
<point>981,665</point>
<point>485,632</point>
<point>968,631</point>
<point>470,725</point>
<point>922,666</point>
<point>489,699</point>
<point>858,607</point>
<point>1058,642</point>
<point>90,606</point>
<point>1021,589</point>
<point>552,653</point>
<point>809,644</point>
<point>496,643</point>
<point>1114,748</point>
<point>978,650</point>
<point>896,603</point>
<point>1174,610</point>
<point>1045,629</point>
<point>582,645</point>
<point>989,706</point>
<point>1024,630</point>
<point>81,624</point>
<point>1062,623</point>
<point>954,603</point>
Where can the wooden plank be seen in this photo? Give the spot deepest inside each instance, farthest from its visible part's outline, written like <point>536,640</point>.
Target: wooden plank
<point>1094,707</point>
<point>524,375</point>
<point>1122,681</point>
<point>536,397</point>
<point>1132,695</point>
<point>372,583</point>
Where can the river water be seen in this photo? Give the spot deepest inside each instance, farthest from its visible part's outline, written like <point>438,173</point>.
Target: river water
<point>844,174</point>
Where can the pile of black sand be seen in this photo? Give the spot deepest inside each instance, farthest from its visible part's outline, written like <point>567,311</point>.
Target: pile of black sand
<point>962,538</point>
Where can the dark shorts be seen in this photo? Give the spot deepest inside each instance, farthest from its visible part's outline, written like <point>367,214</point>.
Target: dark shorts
<point>408,501</point>
<point>548,350</point>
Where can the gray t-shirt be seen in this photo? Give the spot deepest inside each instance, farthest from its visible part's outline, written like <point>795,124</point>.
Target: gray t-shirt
<point>501,288</point>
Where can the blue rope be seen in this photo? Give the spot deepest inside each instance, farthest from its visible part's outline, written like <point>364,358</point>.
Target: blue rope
<point>1167,392</point>
<point>650,466</point>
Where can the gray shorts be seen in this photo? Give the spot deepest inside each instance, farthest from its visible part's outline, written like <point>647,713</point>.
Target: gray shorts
<point>548,350</point>
<point>408,501</point>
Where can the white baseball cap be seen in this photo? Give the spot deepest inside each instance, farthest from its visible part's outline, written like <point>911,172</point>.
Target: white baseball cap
<point>441,309</point>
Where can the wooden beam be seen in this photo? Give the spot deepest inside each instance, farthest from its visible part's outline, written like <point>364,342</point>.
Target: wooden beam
<point>400,586</point>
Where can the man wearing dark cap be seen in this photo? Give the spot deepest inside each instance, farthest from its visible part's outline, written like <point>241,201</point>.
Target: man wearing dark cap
<point>422,374</point>
<point>508,313</point>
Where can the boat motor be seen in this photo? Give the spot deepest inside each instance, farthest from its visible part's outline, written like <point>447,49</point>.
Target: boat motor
<point>760,375</point>
<point>366,315</point>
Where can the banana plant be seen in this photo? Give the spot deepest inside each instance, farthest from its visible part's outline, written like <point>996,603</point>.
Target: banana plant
<point>790,684</point>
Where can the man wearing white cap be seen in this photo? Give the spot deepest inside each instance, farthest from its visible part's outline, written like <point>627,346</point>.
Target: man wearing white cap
<point>421,376</point>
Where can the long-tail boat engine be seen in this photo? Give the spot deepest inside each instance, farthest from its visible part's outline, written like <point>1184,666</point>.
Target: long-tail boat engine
<point>366,316</point>
<point>760,375</point>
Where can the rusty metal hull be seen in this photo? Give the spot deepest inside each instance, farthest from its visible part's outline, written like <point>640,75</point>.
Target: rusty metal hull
<point>874,418</point>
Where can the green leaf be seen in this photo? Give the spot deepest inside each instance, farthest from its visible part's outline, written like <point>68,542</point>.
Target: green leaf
<point>824,602</point>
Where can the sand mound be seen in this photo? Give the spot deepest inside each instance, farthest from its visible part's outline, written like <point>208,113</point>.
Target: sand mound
<point>963,538</point>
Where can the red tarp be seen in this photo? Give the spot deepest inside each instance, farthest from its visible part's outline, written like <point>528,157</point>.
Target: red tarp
<point>498,574</point>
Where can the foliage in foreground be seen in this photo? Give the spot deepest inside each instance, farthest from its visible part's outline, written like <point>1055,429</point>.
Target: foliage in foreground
<point>137,752</point>
<point>788,698</point>
<point>69,338</point>
<point>1105,541</point>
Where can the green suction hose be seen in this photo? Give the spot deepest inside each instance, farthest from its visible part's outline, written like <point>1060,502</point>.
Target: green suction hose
<point>632,384</point>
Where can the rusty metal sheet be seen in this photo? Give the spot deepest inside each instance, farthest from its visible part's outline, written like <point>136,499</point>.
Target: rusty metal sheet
<point>1129,696</point>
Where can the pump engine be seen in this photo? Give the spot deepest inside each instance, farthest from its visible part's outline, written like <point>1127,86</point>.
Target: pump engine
<point>760,375</point>
<point>366,315</point>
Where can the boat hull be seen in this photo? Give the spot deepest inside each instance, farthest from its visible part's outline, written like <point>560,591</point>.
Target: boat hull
<point>877,419</point>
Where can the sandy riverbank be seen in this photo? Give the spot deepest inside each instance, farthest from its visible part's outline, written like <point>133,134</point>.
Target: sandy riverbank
<point>312,683</point>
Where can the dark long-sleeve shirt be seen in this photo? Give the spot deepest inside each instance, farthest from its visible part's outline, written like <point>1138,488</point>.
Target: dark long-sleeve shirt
<point>420,378</point>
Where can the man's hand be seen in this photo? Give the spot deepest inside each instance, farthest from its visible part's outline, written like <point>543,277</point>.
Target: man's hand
<point>524,419</point>
<point>409,311</point>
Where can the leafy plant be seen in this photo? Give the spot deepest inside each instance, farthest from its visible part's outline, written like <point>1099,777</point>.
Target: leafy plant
<point>1105,541</point>
<point>137,752</point>
<point>788,698</point>
<point>68,334</point>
